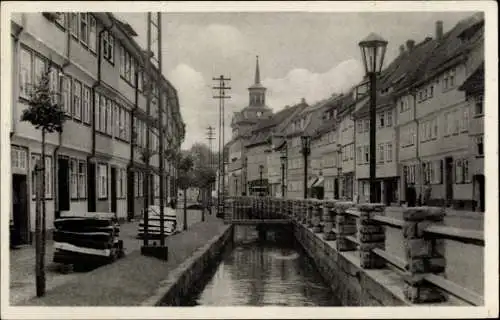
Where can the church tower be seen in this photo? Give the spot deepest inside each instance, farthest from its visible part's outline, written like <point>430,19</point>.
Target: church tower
<point>256,110</point>
<point>257,92</point>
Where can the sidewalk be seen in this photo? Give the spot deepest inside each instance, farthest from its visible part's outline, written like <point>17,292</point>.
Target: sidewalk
<point>131,280</point>
<point>22,260</point>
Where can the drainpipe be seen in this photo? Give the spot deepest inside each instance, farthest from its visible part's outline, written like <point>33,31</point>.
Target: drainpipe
<point>413,94</point>
<point>56,149</point>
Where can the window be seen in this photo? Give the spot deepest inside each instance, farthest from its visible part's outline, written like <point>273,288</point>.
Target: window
<point>431,91</point>
<point>389,152</point>
<point>86,105</point>
<point>116,120</point>
<point>123,183</point>
<point>451,78</point>
<point>435,128</point>
<point>18,158</point>
<point>479,145</point>
<point>48,177</point>
<point>456,121</point>
<point>109,119</point>
<point>359,155</point>
<point>74,24</point>
<point>367,125</point>
<point>102,106</point>
<point>367,155</point>
<point>478,106</point>
<point>108,44</point>
<point>82,179</point>
<point>97,119</point>
<point>66,94</point>
<point>446,126</point>
<point>39,69</point>
<point>73,171</point>
<point>389,118</point>
<point>458,171</point>
<point>84,25</point>
<point>381,152</point>
<point>25,74</point>
<point>103,181</point>
<point>77,99</point>
<point>381,120</point>
<point>61,19</point>
<point>54,85</point>
<point>465,169</point>
<point>34,182</point>
<point>360,126</point>
<point>92,33</point>
<point>465,119</point>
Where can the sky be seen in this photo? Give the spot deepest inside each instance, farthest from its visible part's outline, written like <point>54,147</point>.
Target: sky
<point>301,55</point>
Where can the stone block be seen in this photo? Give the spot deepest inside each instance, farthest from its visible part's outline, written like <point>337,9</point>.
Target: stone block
<point>417,248</point>
<point>371,229</point>
<point>435,264</point>
<point>346,228</point>
<point>330,236</point>
<point>370,246</point>
<point>416,266</point>
<point>421,226</point>
<point>371,237</point>
<point>371,207</point>
<point>423,294</point>
<point>369,260</point>
<point>415,214</point>
<point>410,229</point>
<point>436,213</point>
<point>345,245</point>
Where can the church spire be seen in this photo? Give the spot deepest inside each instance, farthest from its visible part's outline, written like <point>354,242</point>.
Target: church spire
<point>257,72</point>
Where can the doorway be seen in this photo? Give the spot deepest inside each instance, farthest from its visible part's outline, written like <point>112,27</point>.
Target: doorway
<point>336,188</point>
<point>63,186</point>
<point>389,192</point>
<point>449,180</point>
<point>20,231</point>
<point>113,190</point>
<point>91,187</point>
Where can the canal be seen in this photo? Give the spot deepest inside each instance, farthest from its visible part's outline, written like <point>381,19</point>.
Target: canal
<point>263,273</point>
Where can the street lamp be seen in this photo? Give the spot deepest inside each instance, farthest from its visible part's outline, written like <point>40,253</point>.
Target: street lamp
<point>373,51</point>
<point>306,149</point>
<point>283,163</point>
<point>261,169</point>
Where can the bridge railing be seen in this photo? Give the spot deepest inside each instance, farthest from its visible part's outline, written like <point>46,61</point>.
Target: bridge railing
<point>361,228</point>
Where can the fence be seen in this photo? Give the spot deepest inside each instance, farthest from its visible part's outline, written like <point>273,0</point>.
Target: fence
<point>361,228</point>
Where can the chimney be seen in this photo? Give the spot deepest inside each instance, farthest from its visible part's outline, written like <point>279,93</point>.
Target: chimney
<point>439,30</point>
<point>303,100</point>
<point>410,44</point>
<point>401,49</point>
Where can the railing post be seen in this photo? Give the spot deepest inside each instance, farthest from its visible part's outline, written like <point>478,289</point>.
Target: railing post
<point>423,255</point>
<point>310,212</point>
<point>316,219</point>
<point>229,207</point>
<point>329,218</point>
<point>370,236</point>
<point>346,226</point>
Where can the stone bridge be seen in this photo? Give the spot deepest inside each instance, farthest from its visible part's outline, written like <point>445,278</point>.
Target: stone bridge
<point>350,246</point>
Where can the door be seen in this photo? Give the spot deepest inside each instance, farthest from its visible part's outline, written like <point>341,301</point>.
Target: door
<point>91,187</point>
<point>113,190</point>
<point>63,186</point>
<point>336,188</point>
<point>449,179</point>
<point>20,230</point>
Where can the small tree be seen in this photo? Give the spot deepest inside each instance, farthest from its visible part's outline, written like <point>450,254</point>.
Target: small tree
<point>204,177</point>
<point>185,180</point>
<point>44,113</point>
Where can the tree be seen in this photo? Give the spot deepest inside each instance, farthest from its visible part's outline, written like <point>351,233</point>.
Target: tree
<point>204,178</point>
<point>44,113</point>
<point>185,180</point>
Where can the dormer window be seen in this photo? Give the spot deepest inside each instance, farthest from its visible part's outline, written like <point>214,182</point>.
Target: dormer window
<point>259,114</point>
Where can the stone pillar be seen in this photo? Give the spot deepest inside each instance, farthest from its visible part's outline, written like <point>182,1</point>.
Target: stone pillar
<point>371,235</point>
<point>423,255</point>
<point>329,218</point>
<point>317,216</point>
<point>346,226</point>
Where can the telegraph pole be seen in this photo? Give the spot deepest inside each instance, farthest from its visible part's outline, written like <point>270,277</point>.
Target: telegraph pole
<point>221,96</point>
<point>210,137</point>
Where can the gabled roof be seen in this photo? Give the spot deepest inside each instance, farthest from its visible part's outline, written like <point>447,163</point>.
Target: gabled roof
<point>447,50</point>
<point>475,82</point>
<point>261,132</point>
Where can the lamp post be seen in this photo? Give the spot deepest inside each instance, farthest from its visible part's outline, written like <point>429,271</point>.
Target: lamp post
<point>373,51</point>
<point>283,163</point>
<point>261,169</point>
<point>306,149</point>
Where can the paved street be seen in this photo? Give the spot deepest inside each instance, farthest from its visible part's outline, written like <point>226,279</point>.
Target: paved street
<point>22,261</point>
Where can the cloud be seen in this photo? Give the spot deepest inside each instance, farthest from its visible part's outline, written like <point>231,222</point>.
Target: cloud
<point>302,83</point>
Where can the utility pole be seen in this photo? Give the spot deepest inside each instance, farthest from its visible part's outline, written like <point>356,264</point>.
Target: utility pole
<point>210,138</point>
<point>221,97</point>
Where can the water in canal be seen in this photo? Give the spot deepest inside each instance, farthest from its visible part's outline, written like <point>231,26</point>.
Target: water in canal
<point>264,274</point>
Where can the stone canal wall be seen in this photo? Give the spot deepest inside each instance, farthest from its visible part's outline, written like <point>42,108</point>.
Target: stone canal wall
<point>183,280</point>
